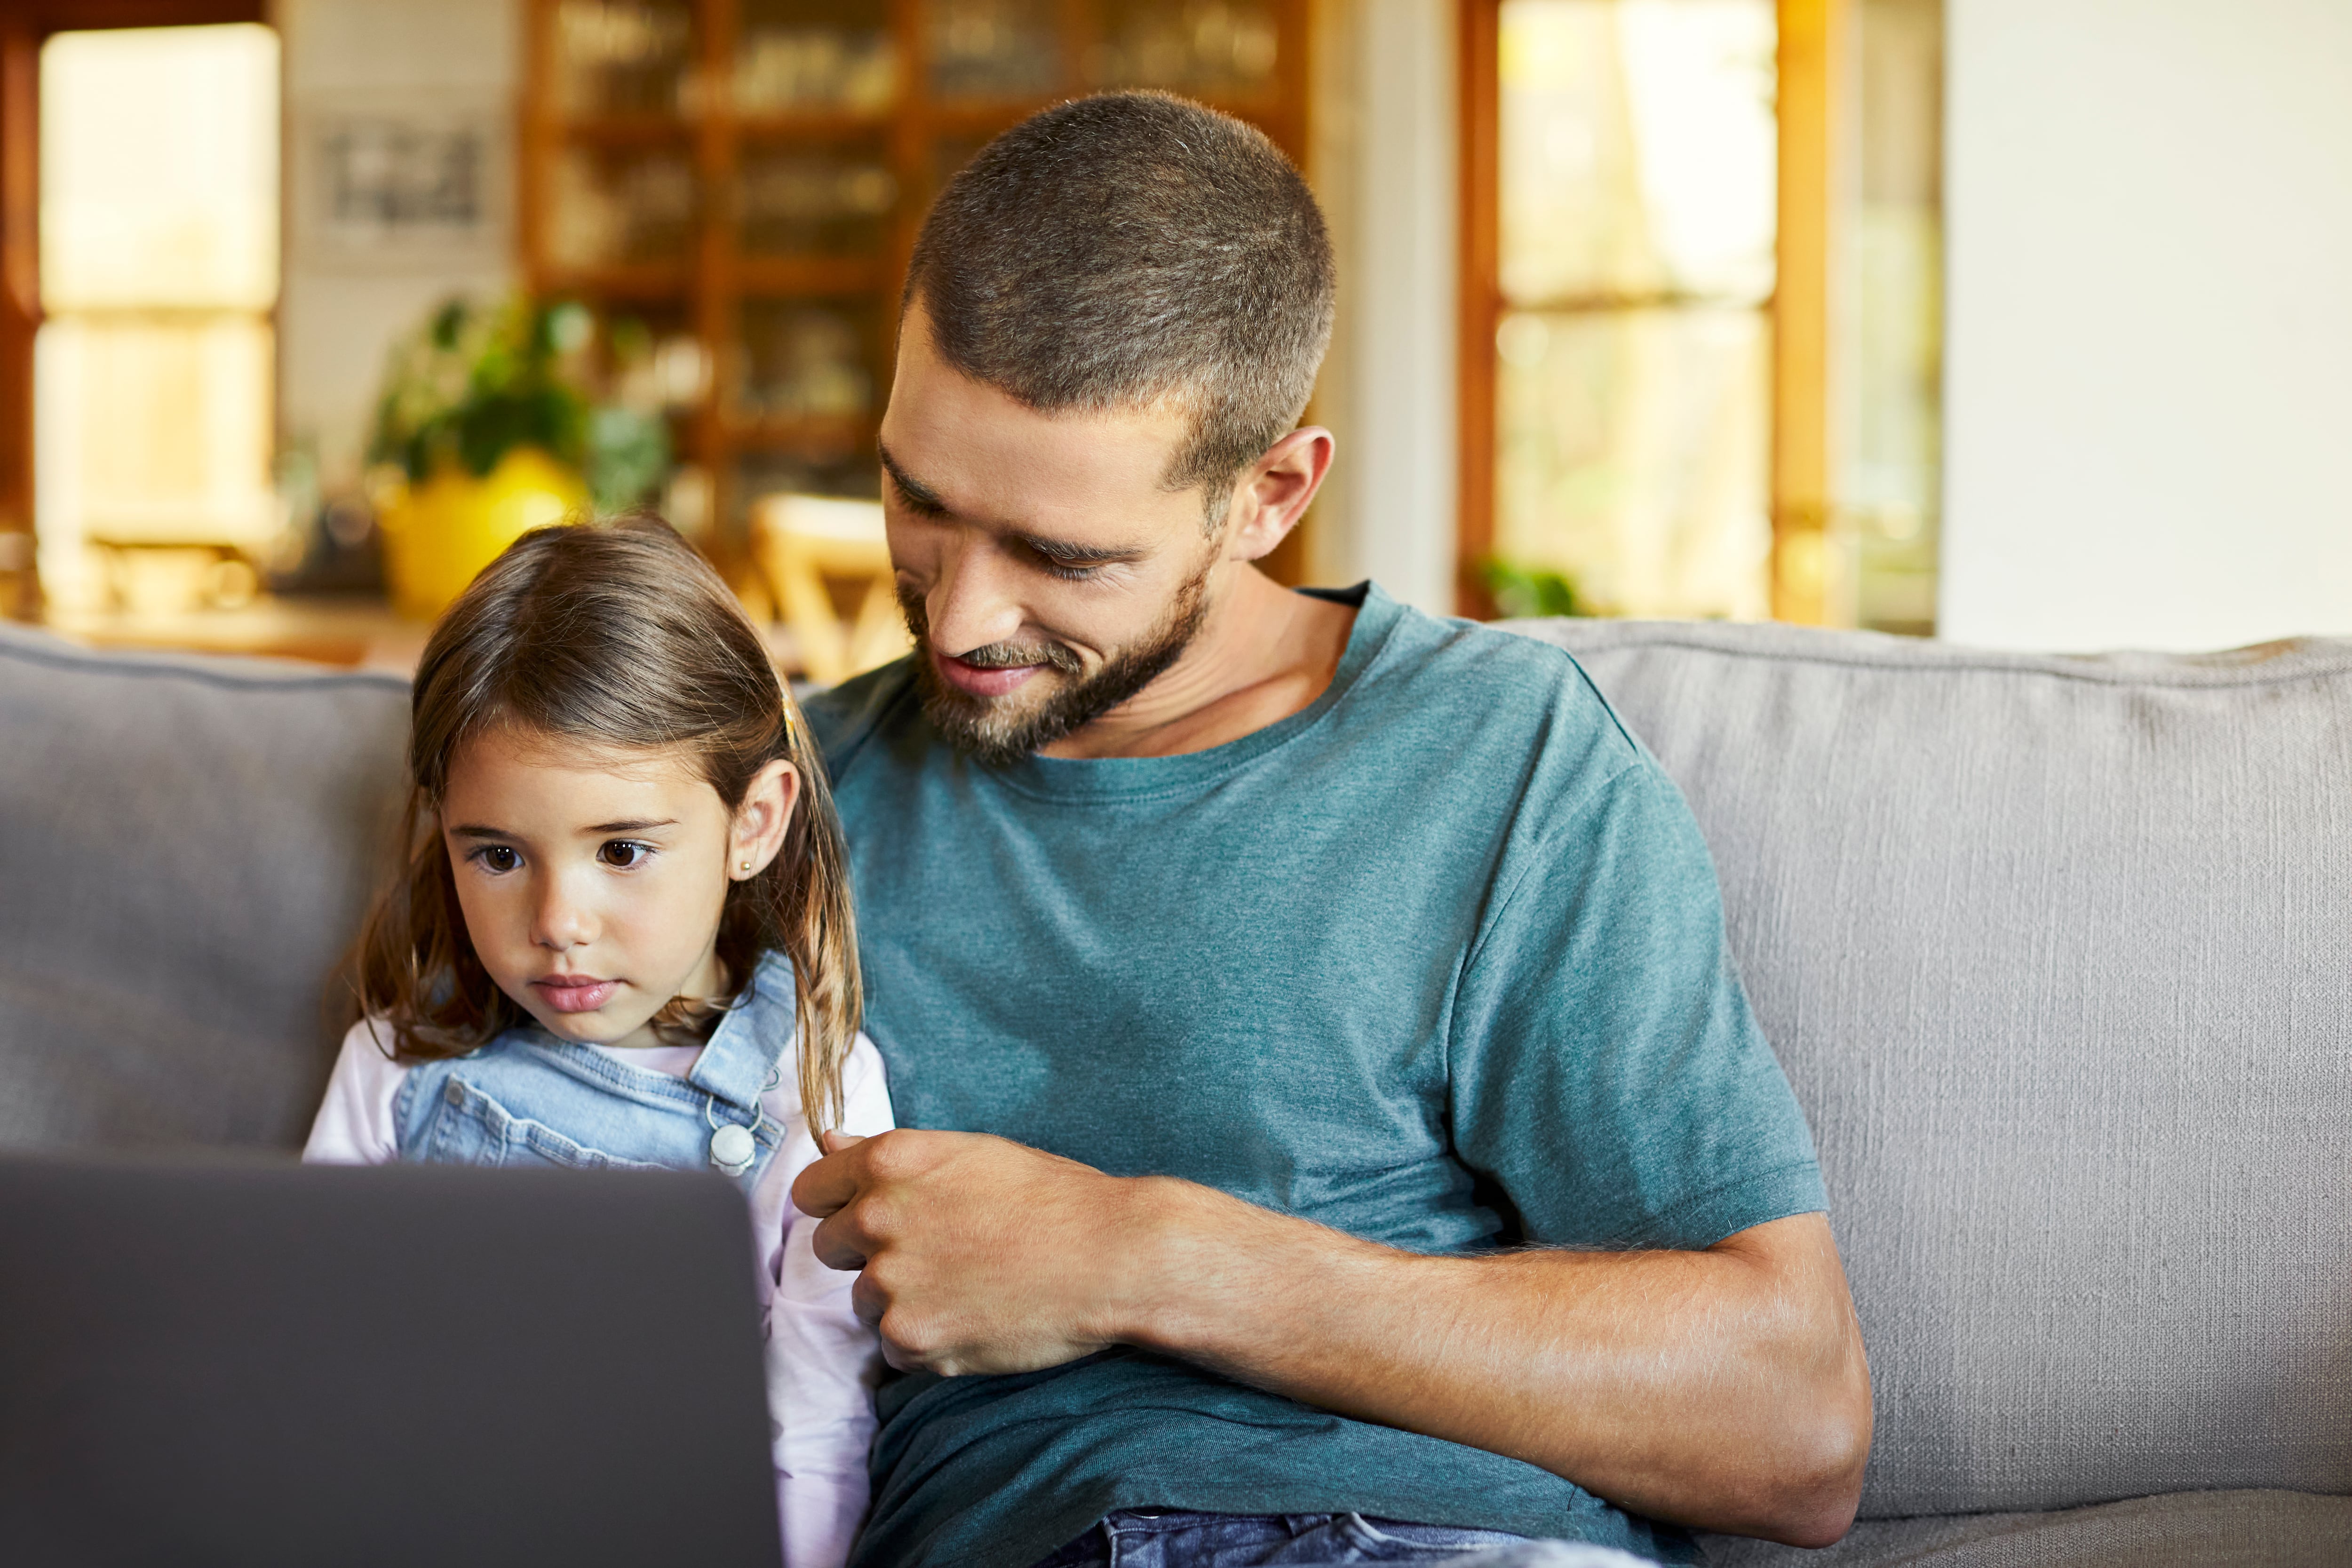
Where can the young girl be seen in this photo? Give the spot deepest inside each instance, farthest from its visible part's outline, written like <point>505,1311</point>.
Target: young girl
<point>622,936</point>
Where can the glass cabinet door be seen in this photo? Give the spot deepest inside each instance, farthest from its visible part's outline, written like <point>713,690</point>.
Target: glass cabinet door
<point>810,57</point>
<point>984,51</point>
<point>1214,49</point>
<point>622,56</point>
<point>797,199</point>
<point>616,207</point>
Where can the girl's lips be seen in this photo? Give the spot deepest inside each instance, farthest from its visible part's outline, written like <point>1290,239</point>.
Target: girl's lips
<point>566,995</point>
<point>975,681</point>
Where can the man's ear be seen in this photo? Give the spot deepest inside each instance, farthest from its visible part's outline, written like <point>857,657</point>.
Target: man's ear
<point>759,821</point>
<point>1275,493</point>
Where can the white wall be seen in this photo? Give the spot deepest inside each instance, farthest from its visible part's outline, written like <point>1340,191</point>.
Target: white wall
<point>338,316</point>
<point>1384,167</point>
<point>2149,393</point>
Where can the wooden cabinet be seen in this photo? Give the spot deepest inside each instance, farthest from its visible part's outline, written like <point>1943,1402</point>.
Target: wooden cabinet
<point>749,176</point>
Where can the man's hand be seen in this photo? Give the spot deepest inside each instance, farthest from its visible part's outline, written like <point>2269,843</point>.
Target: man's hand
<point>1724,1389</point>
<point>978,1254</point>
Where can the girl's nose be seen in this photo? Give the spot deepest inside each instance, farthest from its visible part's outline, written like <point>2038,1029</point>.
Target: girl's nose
<point>563,922</point>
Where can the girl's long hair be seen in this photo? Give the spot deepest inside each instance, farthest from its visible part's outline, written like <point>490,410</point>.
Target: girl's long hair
<point>620,637</point>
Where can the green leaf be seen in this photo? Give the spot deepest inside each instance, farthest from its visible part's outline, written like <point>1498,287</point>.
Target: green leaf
<point>1521,592</point>
<point>472,383</point>
<point>628,454</point>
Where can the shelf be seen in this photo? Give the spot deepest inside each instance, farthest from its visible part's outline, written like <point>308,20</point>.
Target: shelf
<point>815,124</point>
<point>813,274</point>
<point>761,169</point>
<point>965,116</point>
<point>946,117</point>
<point>818,438</point>
<point>621,131</point>
<point>768,125</point>
<point>660,282</point>
<point>990,116</point>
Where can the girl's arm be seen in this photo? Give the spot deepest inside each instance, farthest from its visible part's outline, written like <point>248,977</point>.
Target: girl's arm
<point>355,1125</point>
<point>823,1365</point>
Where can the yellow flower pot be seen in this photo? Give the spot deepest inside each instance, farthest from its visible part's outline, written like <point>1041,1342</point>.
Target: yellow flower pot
<point>437,536</point>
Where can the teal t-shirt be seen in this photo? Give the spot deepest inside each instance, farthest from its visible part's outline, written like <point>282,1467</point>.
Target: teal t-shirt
<point>1438,961</point>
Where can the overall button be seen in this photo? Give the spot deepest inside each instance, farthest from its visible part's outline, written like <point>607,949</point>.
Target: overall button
<point>454,1092</point>
<point>731,1148</point>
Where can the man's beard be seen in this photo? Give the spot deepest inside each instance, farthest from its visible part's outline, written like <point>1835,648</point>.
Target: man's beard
<point>994,731</point>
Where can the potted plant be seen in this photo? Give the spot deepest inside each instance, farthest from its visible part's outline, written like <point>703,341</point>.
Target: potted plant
<point>488,426</point>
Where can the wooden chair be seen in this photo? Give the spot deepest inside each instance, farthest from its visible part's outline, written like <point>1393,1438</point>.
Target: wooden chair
<point>805,544</point>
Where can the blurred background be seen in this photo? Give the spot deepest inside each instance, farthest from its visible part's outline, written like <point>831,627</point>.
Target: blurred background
<point>2017,324</point>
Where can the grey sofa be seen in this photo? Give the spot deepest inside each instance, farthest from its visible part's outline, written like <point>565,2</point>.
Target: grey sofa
<point>2058,953</point>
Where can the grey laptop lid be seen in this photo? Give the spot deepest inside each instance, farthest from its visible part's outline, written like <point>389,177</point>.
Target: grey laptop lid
<point>264,1364</point>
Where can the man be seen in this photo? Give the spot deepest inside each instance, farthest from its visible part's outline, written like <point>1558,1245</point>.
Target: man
<point>1328,1094</point>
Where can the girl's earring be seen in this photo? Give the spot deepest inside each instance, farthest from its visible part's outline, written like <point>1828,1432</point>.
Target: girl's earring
<point>746,865</point>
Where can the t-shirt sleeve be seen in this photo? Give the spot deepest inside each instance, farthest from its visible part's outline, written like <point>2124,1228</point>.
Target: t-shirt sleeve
<point>1606,1071</point>
<point>355,1123</point>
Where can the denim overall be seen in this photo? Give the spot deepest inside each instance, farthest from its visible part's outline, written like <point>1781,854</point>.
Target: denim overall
<point>529,1099</point>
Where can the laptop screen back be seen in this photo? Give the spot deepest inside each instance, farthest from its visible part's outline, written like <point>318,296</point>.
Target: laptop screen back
<point>277,1365</point>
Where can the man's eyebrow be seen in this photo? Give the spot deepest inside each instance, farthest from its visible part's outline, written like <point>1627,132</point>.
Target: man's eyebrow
<point>1060,551</point>
<point>1064,552</point>
<point>925,497</point>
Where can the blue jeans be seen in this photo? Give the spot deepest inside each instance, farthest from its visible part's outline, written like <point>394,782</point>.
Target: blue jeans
<point>1174,1537</point>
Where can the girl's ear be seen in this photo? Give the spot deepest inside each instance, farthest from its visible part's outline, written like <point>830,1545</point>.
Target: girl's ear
<point>762,819</point>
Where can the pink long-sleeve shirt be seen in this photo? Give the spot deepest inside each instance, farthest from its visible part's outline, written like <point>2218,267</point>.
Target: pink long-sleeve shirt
<point>822,1362</point>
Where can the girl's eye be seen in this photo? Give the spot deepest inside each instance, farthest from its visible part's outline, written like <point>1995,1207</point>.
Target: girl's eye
<point>621,854</point>
<point>498,858</point>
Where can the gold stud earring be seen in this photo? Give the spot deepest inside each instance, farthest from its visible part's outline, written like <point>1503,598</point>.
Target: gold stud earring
<point>746,865</point>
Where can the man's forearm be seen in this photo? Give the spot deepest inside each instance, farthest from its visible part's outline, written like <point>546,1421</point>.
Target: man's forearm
<point>1724,1389</point>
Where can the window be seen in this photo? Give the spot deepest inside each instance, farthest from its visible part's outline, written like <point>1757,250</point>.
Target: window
<point>1634,271</point>
<point>152,371</point>
<point>1701,318</point>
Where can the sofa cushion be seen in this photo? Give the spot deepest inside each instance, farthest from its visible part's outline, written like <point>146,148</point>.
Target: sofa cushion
<point>2058,955</point>
<point>2192,1529</point>
<point>186,848</point>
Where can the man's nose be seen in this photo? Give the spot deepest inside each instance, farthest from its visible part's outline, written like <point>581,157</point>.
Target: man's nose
<point>973,601</point>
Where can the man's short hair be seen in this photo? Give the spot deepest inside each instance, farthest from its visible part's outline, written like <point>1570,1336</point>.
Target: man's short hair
<point>1130,250</point>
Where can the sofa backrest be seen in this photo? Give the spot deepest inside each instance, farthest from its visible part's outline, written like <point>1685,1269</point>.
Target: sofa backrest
<point>2058,955</point>
<point>186,848</point>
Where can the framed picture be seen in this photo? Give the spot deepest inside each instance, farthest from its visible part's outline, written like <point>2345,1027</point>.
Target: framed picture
<point>400,182</point>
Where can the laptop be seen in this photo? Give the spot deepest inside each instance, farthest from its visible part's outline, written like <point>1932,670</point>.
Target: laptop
<point>258,1364</point>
